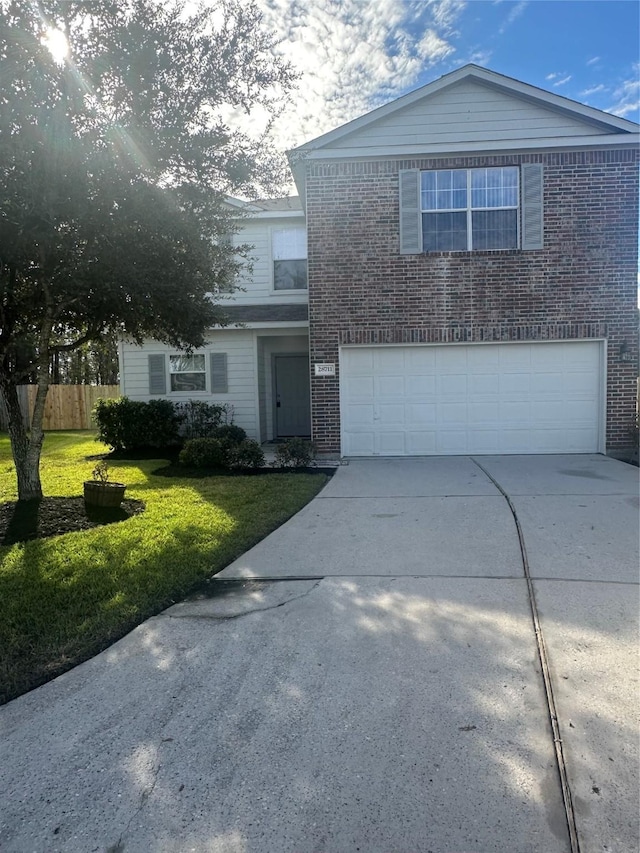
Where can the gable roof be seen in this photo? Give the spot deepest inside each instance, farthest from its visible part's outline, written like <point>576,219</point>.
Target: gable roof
<point>471,109</point>
<point>523,91</point>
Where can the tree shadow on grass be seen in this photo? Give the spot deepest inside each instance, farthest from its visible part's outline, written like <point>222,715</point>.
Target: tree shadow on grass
<point>23,521</point>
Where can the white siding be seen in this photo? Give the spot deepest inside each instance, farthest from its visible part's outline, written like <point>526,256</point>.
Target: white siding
<point>258,284</point>
<point>468,112</point>
<point>242,374</point>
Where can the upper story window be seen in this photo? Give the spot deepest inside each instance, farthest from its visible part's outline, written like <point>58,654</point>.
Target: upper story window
<point>461,210</point>
<point>466,209</point>
<point>188,373</point>
<point>289,247</point>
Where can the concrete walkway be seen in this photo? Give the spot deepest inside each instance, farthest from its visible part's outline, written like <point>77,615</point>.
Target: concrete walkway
<point>365,679</point>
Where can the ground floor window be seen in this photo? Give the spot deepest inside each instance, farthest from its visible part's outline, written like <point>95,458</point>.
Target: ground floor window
<point>188,373</point>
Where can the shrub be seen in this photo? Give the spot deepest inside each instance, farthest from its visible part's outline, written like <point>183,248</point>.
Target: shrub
<point>126,424</point>
<point>295,453</point>
<point>231,433</point>
<point>205,453</point>
<point>201,420</point>
<point>246,454</point>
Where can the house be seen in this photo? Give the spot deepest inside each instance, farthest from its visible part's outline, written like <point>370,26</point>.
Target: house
<point>259,363</point>
<point>472,283</point>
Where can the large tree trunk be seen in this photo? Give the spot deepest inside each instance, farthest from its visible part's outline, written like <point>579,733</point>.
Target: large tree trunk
<point>25,445</point>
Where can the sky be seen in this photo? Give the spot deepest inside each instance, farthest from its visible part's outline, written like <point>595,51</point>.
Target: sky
<point>355,55</point>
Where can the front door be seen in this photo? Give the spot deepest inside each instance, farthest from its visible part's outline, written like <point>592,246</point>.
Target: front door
<point>292,396</point>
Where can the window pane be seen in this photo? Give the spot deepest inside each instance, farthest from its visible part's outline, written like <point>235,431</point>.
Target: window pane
<point>444,190</point>
<point>290,275</point>
<point>495,229</point>
<point>182,363</point>
<point>444,232</point>
<point>494,187</point>
<point>428,182</point>
<point>188,382</point>
<point>459,179</point>
<point>289,243</point>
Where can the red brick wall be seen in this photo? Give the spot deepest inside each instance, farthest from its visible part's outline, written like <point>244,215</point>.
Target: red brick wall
<point>582,284</point>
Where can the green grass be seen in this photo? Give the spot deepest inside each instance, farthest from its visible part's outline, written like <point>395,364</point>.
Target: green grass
<point>65,598</point>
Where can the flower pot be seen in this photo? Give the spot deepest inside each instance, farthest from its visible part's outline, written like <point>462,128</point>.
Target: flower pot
<point>103,494</point>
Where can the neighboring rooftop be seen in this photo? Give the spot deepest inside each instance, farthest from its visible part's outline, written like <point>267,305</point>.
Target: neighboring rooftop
<point>291,202</point>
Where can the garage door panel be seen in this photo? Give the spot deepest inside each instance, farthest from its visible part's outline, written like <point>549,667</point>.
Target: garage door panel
<point>547,383</point>
<point>390,386</point>
<point>391,363</point>
<point>452,385</point>
<point>421,414</point>
<point>485,383</point>
<point>391,414</point>
<point>360,387</point>
<point>479,413</point>
<point>456,399</point>
<point>420,443</point>
<point>421,386</point>
<point>512,382</point>
<point>360,415</point>
<point>453,441</point>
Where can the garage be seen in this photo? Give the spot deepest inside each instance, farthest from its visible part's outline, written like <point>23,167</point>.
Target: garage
<point>472,398</point>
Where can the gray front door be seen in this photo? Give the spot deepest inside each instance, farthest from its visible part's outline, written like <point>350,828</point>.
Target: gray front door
<point>292,396</point>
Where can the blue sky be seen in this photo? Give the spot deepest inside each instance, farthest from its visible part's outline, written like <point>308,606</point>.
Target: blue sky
<point>354,55</point>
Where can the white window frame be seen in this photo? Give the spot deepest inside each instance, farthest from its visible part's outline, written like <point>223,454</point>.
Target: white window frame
<point>173,373</point>
<point>282,290</point>
<point>470,210</point>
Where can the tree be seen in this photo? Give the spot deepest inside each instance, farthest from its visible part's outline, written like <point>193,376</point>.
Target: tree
<point>115,162</point>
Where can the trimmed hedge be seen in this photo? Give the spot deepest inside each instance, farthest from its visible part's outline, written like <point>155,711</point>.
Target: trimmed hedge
<point>222,453</point>
<point>126,424</point>
<point>295,453</point>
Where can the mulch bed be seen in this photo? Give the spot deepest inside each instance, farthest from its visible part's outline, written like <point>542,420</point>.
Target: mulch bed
<point>199,473</point>
<point>22,521</point>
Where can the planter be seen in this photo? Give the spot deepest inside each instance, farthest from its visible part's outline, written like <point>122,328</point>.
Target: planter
<point>103,494</point>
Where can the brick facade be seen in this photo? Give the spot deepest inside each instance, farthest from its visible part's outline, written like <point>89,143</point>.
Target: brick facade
<point>582,284</point>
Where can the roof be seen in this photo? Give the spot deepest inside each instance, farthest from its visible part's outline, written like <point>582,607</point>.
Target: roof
<point>586,126</point>
<point>291,202</point>
<point>289,312</point>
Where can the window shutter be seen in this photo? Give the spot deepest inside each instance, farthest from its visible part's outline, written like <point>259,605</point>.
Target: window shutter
<point>157,375</point>
<point>410,214</point>
<point>219,382</point>
<point>532,206</point>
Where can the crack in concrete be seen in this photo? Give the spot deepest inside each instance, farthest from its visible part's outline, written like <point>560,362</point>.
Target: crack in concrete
<point>228,617</point>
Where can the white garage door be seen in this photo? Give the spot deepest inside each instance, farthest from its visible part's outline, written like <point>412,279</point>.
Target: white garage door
<point>476,398</point>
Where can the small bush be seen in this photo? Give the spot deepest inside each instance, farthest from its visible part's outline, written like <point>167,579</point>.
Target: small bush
<point>205,453</point>
<point>231,433</point>
<point>246,454</point>
<point>126,424</point>
<point>201,420</point>
<point>295,453</point>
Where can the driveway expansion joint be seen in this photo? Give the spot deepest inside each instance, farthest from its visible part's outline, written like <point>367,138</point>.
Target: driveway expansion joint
<point>546,675</point>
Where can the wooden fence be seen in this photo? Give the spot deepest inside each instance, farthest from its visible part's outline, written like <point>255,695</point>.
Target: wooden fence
<point>67,406</point>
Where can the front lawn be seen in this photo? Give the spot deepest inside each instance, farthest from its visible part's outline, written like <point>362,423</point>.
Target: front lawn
<point>64,598</point>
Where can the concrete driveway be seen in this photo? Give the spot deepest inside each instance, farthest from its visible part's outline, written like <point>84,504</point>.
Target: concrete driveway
<point>367,678</point>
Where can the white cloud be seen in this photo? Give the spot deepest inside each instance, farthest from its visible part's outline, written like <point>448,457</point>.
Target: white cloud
<point>514,14</point>
<point>593,60</point>
<point>626,97</point>
<point>353,56</point>
<point>551,76</point>
<point>593,90</point>
<point>562,81</point>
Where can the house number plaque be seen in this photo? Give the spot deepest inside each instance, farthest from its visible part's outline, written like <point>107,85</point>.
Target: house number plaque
<point>325,369</point>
